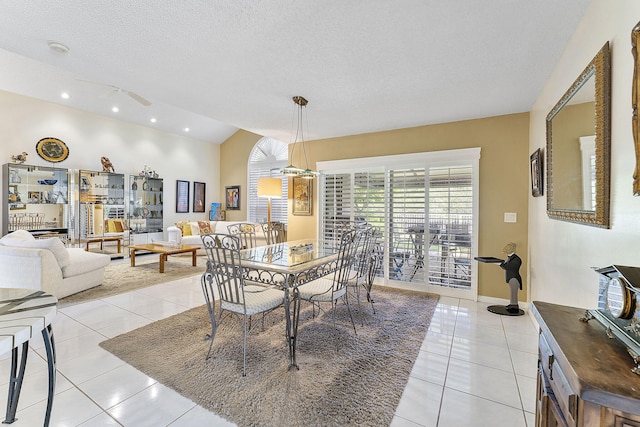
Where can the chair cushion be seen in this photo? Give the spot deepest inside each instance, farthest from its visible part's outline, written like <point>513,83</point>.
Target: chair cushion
<point>82,261</point>
<point>319,290</point>
<point>257,302</point>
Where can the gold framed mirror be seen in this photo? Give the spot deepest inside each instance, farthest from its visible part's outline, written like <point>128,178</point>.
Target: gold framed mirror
<point>635,90</point>
<point>579,147</point>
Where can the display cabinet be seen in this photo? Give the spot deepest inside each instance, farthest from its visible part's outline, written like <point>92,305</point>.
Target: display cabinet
<point>35,198</point>
<point>101,220</point>
<point>145,209</point>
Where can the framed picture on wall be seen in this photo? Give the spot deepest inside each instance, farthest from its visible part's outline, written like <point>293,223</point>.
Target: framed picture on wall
<point>198,196</point>
<point>302,196</point>
<point>216,213</point>
<point>182,196</point>
<point>232,197</point>
<point>536,173</point>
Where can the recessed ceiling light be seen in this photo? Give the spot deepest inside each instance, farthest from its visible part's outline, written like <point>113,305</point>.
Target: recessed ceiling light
<point>187,129</point>
<point>65,95</point>
<point>58,47</point>
<point>153,120</point>
<point>115,109</point>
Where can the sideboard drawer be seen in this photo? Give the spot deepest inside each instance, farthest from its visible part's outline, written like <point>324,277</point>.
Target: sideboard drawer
<point>564,394</point>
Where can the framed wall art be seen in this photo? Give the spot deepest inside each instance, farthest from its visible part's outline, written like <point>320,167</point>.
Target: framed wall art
<point>536,173</point>
<point>302,196</point>
<point>232,197</point>
<point>199,196</point>
<point>216,213</point>
<point>182,196</point>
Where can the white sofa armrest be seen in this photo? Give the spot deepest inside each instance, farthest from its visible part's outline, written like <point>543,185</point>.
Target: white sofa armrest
<point>29,268</point>
<point>174,234</point>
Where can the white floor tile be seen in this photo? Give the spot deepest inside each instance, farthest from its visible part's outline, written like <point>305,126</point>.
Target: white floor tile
<point>420,402</point>
<point>199,416</point>
<point>102,420</point>
<point>527,389</point>
<point>483,334</point>
<point>482,381</point>
<point>117,385</point>
<point>481,353</point>
<point>430,367</point>
<point>522,342</point>
<point>88,365</point>
<point>525,363</point>
<point>70,408</point>
<point>461,409</point>
<point>437,343</point>
<point>154,406</point>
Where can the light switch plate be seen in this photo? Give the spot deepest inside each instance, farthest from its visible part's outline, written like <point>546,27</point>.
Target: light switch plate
<point>510,217</point>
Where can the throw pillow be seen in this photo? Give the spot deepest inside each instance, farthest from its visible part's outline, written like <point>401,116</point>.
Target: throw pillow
<point>205,227</point>
<point>118,225</point>
<point>185,227</point>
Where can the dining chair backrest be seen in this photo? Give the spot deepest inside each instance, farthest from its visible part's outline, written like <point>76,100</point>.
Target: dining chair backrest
<point>223,262</point>
<point>273,232</point>
<point>346,257</point>
<point>245,232</point>
<point>364,252</point>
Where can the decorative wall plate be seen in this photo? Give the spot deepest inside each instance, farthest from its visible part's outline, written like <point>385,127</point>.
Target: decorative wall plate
<point>52,150</point>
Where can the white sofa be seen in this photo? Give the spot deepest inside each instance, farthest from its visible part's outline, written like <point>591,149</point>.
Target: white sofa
<point>47,265</point>
<point>174,233</point>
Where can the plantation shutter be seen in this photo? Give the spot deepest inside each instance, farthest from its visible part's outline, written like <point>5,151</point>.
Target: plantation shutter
<point>266,159</point>
<point>424,206</point>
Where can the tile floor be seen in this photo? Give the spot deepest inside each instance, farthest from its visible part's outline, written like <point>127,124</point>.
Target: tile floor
<point>474,369</point>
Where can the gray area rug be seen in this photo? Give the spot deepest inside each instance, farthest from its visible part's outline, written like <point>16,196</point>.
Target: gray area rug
<point>120,277</point>
<point>343,379</point>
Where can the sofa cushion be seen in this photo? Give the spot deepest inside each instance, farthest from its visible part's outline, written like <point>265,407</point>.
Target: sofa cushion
<point>185,227</point>
<point>53,244</point>
<point>82,261</point>
<point>115,226</point>
<point>205,227</point>
<point>15,237</point>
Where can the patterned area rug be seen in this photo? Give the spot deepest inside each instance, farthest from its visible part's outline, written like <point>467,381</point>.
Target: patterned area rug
<point>120,277</point>
<point>344,379</point>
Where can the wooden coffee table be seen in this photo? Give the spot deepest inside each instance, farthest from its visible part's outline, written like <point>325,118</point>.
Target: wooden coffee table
<point>164,251</point>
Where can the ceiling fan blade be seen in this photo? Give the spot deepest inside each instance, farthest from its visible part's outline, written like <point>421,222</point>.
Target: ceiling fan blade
<point>138,98</point>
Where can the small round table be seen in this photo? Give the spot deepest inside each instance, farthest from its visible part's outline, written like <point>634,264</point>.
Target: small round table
<point>24,313</point>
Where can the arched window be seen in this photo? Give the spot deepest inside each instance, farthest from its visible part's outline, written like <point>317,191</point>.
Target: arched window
<point>266,159</point>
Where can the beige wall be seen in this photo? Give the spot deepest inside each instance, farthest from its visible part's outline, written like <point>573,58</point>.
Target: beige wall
<point>562,254</point>
<point>24,121</point>
<point>504,171</point>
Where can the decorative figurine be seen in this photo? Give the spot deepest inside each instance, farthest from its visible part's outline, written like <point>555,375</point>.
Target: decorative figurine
<point>19,158</point>
<point>511,267</point>
<point>106,164</point>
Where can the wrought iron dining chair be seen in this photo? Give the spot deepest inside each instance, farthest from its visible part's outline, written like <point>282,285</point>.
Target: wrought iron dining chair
<point>364,261</point>
<point>331,288</point>
<point>246,232</point>
<point>273,232</point>
<point>236,297</point>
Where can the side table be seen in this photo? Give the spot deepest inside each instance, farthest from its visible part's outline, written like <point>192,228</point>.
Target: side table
<point>24,313</point>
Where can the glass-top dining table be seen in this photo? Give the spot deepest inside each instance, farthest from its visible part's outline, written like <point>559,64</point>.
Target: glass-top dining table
<point>289,265</point>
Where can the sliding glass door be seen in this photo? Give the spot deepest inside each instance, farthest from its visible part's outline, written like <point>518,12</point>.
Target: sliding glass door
<point>425,213</point>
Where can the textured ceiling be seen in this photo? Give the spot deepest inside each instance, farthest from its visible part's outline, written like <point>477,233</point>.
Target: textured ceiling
<point>218,65</point>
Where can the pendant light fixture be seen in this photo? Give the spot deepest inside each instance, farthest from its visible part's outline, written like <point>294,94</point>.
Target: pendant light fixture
<point>291,170</point>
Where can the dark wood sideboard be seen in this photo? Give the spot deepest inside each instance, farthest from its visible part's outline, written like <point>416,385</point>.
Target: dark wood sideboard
<point>584,377</point>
